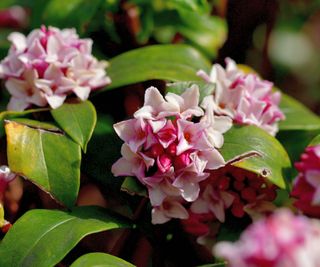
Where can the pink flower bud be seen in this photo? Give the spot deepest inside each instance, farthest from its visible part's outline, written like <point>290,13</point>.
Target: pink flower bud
<point>306,188</point>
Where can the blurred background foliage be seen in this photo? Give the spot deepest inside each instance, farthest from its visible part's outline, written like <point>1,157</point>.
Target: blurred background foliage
<point>278,38</point>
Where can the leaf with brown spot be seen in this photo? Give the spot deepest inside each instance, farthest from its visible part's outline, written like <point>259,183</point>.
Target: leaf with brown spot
<point>49,159</point>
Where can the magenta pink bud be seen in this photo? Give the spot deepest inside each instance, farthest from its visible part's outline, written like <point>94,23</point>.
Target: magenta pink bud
<point>156,150</point>
<point>164,163</point>
<point>182,160</point>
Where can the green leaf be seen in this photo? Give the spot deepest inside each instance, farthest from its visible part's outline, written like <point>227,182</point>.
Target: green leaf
<point>46,157</point>
<point>100,260</point>
<point>77,120</point>
<point>205,32</point>
<point>133,187</point>
<point>16,114</point>
<point>315,141</point>
<point>164,62</point>
<point>43,237</point>
<point>295,141</point>
<point>103,150</point>
<point>298,117</point>
<point>253,149</point>
<point>71,13</point>
<point>200,6</point>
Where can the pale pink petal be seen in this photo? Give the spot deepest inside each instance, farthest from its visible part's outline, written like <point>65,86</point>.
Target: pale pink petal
<point>17,104</point>
<point>82,92</point>
<point>156,196</point>
<point>55,101</point>
<point>187,103</point>
<point>204,75</point>
<point>157,106</point>
<point>158,216</point>
<point>17,88</point>
<point>18,40</point>
<point>214,159</point>
<point>157,125</point>
<point>177,211</point>
<point>190,191</point>
<point>53,47</point>
<point>122,167</point>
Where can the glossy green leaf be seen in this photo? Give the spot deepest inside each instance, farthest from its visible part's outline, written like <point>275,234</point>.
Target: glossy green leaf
<point>43,237</point>
<point>16,114</point>
<point>103,150</point>
<point>100,260</point>
<point>71,13</point>
<point>164,62</point>
<point>253,149</point>
<point>133,187</point>
<point>298,117</point>
<point>46,157</point>
<point>315,141</point>
<point>295,141</point>
<point>205,32</point>
<point>77,120</point>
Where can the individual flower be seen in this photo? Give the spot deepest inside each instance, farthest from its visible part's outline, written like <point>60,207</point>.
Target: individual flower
<point>280,240</point>
<point>234,189</point>
<point>306,188</point>
<point>245,98</point>
<point>170,146</point>
<point>6,176</point>
<point>48,65</point>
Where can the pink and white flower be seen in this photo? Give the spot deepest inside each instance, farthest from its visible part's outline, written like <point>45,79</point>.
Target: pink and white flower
<point>306,188</point>
<point>244,97</point>
<point>170,153</point>
<point>6,176</point>
<point>48,65</point>
<point>280,240</point>
<point>235,189</point>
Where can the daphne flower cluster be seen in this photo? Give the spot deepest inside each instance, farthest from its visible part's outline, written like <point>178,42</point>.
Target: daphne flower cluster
<point>244,97</point>
<point>306,188</point>
<point>170,146</point>
<point>49,64</point>
<point>234,188</point>
<point>228,189</point>
<point>281,240</point>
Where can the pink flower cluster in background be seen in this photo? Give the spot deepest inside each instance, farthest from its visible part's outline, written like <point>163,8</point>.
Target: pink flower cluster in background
<point>245,98</point>
<point>49,64</point>
<point>280,240</point>
<point>230,189</point>
<point>170,146</point>
<point>234,188</point>
<point>306,188</point>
